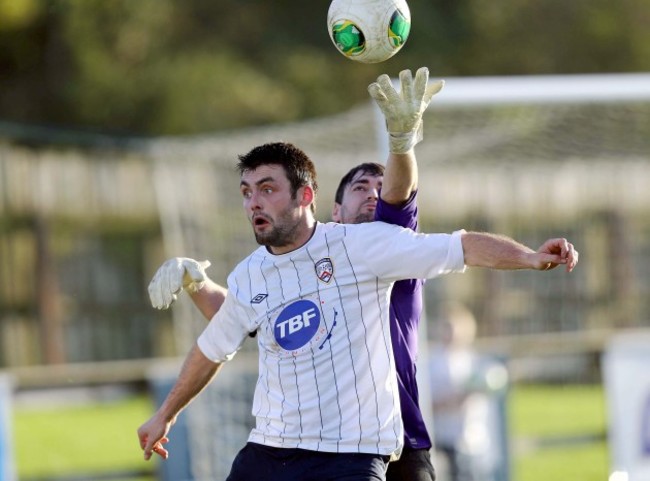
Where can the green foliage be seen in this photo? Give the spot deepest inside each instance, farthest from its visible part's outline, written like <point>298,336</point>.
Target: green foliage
<point>156,67</point>
<point>16,14</point>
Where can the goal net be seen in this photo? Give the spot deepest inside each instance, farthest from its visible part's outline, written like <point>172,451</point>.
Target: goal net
<point>532,158</point>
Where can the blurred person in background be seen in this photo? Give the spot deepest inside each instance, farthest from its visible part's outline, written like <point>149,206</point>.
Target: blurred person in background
<point>463,387</point>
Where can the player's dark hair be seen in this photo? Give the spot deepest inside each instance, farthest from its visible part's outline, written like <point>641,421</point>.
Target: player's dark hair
<point>370,168</point>
<point>297,165</point>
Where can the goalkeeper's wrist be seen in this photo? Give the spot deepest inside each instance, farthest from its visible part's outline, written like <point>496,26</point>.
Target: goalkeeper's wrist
<point>403,142</point>
<point>194,287</point>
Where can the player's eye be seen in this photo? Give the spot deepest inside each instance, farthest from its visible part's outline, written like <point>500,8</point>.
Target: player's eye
<point>246,194</point>
<point>268,190</point>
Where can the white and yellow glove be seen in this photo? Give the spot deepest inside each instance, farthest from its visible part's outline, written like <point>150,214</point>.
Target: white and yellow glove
<point>172,277</point>
<point>403,113</point>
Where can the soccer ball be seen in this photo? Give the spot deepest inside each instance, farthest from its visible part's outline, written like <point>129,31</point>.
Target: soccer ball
<point>369,31</point>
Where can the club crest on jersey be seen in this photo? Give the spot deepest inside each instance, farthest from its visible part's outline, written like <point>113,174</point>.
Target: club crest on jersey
<point>297,325</point>
<point>324,269</point>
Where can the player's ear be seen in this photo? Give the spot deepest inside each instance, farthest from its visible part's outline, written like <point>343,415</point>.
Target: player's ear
<point>336,212</point>
<point>307,197</point>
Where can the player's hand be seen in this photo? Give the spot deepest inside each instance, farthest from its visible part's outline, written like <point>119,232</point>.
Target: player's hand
<point>403,111</point>
<point>172,277</point>
<point>555,252</point>
<point>152,435</point>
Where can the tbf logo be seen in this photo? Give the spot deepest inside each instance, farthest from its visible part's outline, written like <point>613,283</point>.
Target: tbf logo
<point>297,324</point>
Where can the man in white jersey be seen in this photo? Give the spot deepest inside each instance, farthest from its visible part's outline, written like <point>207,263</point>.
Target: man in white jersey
<point>358,200</point>
<point>317,296</point>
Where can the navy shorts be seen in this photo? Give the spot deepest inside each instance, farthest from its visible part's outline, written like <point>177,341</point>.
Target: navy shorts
<point>256,462</point>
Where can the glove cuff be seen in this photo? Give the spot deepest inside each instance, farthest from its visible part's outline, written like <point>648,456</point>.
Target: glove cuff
<point>194,286</point>
<point>194,275</point>
<point>402,142</point>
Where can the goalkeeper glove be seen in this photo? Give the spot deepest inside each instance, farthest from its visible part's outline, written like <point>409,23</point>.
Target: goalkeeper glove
<point>403,113</point>
<point>172,277</point>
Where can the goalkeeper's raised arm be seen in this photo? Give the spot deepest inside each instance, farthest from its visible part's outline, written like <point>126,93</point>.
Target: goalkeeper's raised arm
<point>403,112</point>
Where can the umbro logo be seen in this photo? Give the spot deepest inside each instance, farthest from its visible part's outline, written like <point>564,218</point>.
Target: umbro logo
<point>259,298</point>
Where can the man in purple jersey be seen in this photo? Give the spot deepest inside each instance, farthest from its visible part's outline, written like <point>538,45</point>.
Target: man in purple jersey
<point>359,191</point>
<point>368,193</point>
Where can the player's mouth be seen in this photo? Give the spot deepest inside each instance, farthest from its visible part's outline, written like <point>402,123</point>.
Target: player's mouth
<point>260,221</point>
<point>370,206</point>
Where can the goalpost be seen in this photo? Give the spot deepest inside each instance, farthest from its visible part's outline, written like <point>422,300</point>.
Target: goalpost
<point>495,149</point>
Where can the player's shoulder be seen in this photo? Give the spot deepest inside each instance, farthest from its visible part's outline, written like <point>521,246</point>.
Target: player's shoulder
<point>364,228</point>
<point>254,257</point>
<point>404,214</point>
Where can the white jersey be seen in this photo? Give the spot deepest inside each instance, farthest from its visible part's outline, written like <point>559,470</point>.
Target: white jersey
<point>327,378</point>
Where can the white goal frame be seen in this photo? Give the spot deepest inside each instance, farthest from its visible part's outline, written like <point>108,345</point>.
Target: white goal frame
<point>529,89</point>
<point>592,88</point>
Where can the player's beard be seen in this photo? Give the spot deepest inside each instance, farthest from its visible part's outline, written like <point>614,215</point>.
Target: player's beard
<point>359,216</point>
<point>283,231</point>
<point>363,217</point>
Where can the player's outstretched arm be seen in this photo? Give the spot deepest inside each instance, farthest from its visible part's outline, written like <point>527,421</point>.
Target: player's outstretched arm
<point>495,251</point>
<point>196,373</point>
<point>182,273</point>
<point>403,114</point>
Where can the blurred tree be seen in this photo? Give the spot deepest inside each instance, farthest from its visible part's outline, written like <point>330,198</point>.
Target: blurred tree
<point>164,67</point>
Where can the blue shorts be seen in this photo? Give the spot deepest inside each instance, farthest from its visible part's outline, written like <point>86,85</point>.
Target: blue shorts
<point>264,463</point>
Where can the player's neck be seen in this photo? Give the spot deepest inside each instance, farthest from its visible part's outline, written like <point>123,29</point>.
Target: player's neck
<point>304,231</point>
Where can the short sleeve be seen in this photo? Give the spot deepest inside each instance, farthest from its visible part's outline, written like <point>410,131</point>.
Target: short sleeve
<point>225,333</point>
<point>395,253</point>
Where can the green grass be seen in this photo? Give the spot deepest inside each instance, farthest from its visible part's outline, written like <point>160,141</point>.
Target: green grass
<point>556,412</point>
<point>577,463</point>
<point>102,438</point>
<point>92,439</point>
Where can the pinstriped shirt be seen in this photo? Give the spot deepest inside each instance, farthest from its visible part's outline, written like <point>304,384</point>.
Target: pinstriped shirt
<point>326,369</point>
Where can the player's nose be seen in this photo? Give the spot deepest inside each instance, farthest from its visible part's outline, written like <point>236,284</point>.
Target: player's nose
<point>252,202</point>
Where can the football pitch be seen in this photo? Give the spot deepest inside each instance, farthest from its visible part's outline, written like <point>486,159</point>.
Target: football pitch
<point>557,432</point>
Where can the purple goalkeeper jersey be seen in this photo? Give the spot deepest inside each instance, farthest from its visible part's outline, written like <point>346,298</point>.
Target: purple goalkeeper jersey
<point>405,313</point>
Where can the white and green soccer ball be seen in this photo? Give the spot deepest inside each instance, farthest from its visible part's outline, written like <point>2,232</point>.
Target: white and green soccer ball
<point>369,31</point>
